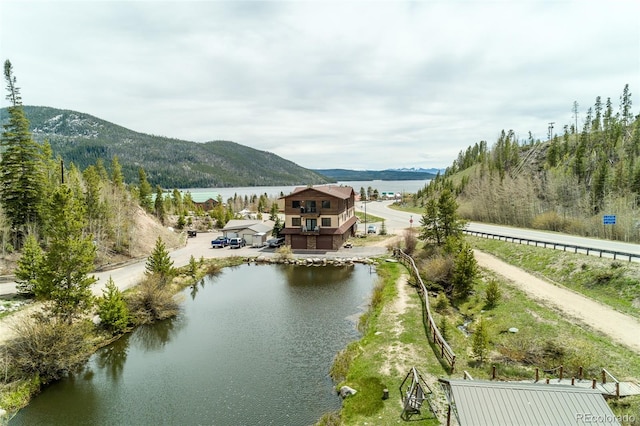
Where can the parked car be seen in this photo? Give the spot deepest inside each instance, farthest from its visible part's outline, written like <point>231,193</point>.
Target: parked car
<point>220,242</point>
<point>275,242</point>
<point>371,229</point>
<point>237,243</point>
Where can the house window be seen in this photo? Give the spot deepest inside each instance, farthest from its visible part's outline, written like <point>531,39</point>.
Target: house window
<point>295,204</point>
<point>311,224</point>
<point>295,221</point>
<point>326,221</point>
<point>326,204</point>
<point>310,206</point>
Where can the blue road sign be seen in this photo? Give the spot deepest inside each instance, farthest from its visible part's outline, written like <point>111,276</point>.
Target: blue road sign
<point>609,219</point>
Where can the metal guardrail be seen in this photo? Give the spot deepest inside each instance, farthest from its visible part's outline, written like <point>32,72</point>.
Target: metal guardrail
<point>556,246</point>
<point>446,352</point>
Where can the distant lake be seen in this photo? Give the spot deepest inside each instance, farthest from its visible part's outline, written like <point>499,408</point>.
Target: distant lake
<point>397,186</point>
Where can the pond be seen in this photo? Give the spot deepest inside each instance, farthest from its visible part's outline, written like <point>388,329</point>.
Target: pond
<point>253,345</point>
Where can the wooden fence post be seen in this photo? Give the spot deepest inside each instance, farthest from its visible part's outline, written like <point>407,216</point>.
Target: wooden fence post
<point>561,372</point>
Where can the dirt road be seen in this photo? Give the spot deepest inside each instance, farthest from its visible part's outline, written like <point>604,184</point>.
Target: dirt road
<point>621,328</point>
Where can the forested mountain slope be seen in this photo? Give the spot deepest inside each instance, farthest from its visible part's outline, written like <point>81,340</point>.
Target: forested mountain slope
<point>564,184</point>
<point>171,163</point>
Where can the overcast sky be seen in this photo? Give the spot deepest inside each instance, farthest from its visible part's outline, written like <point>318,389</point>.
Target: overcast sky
<point>327,84</point>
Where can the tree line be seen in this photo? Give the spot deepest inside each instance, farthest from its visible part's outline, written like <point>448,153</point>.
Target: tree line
<point>566,183</point>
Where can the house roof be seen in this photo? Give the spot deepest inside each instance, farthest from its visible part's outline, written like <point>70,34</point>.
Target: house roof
<point>479,402</point>
<point>253,225</point>
<point>201,197</point>
<point>337,191</point>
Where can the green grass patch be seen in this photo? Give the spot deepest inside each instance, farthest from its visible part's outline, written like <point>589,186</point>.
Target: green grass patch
<point>384,355</point>
<point>370,218</point>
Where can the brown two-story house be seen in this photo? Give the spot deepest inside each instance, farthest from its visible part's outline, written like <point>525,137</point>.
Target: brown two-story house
<point>319,217</point>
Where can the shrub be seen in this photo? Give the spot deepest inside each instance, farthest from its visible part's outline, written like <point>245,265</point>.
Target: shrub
<point>48,348</point>
<point>410,242</point>
<point>284,253</point>
<point>549,220</point>
<point>442,303</point>
<point>438,270</point>
<point>152,301</point>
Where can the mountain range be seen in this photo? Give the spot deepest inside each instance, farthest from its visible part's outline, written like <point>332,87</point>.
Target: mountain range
<point>82,139</point>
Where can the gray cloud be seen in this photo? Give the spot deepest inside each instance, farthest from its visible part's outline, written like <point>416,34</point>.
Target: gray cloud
<point>354,84</point>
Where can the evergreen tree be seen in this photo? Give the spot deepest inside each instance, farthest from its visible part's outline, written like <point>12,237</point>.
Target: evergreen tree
<point>160,263</point>
<point>69,258</point>
<point>159,204</point>
<point>116,173</point>
<point>277,227</point>
<point>626,115</point>
<point>430,227</point>
<point>480,343</point>
<point>21,166</point>
<point>112,309</point>
<point>29,266</point>
<point>492,294</point>
<point>465,271</point>
<point>144,190</point>
<point>449,221</point>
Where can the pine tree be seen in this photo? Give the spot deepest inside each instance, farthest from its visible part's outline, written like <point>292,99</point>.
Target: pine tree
<point>448,218</point>
<point>159,204</point>
<point>29,266</point>
<point>480,343</point>
<point>465,271</point>
<point>116,174</point>
<point>492,294</point>
<point>21,166</point>
<point>144,190</point>
<point>160,263</point>
<point>112,309</point>
<point>430,227</point>
<point>69,258</point>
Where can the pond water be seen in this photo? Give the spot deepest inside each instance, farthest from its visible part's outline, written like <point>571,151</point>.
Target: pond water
<point>252,346</point>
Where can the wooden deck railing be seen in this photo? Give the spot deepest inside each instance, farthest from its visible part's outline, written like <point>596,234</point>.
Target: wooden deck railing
<point>446,353</point>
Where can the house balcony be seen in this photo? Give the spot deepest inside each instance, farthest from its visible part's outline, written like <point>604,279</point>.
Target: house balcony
<point>309,231</point>
<point>309,212</point>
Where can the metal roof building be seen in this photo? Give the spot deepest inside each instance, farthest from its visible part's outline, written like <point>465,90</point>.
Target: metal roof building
<point>479,403</point>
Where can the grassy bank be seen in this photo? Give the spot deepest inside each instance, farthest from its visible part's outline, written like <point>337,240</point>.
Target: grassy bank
<point>391,344</point>
<point>394,340</point>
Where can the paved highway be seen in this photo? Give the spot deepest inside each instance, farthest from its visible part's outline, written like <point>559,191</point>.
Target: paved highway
<point>397,221</point>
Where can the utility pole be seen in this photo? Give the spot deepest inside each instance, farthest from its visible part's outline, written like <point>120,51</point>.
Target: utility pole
<point>551,130</point>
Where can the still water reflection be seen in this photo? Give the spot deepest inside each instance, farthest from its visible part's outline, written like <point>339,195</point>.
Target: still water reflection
<point>252,346</point>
